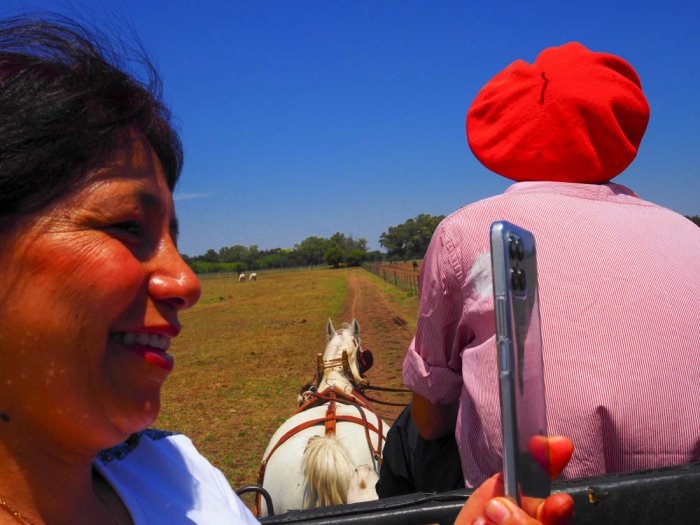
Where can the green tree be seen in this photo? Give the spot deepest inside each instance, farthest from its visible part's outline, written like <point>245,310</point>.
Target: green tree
<point>694,218</point>
<point>410,240</point>
<point>233,253</point>
<point>252,256</point>
<point>348,245</point>
<point>374,255</point>
<point>356,257</point>
<point>272,260</point>
<point>312,250</point>
<point>334,256</point>
<point>209,256</point>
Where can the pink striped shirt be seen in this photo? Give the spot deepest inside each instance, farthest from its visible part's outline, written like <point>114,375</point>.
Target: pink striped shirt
<point>619,283</point>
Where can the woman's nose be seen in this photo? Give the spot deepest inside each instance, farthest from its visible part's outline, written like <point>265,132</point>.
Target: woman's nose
<point>172,280</point>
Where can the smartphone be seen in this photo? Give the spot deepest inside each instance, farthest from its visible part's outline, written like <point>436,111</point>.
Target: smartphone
<point>520,365</point>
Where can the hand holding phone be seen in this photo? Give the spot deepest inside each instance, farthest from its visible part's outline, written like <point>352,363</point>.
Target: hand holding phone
<point>520,366</point>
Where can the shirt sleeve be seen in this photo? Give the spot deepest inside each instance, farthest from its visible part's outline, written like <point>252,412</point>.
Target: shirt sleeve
<point>432,366</point>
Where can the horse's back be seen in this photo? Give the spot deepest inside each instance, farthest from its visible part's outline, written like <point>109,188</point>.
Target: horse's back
<point>284,479</point>
<point>346,431</point>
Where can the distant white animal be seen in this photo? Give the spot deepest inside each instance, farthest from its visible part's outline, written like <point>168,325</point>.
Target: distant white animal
<point>328,452</point>
<point>253,277</point>
<point>241,278</point>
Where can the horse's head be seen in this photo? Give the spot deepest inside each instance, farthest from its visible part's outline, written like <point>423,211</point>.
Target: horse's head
<point>343,351</point>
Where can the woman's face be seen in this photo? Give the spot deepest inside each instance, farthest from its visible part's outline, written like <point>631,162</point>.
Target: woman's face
<point>90,292</point>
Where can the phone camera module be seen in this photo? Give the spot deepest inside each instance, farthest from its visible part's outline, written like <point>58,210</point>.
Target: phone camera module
<point>517,280</point>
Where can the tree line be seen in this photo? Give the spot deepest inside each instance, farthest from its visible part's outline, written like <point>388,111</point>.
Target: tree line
<point>403,242</point>
<point>406,241</point>
<point>336,251</point>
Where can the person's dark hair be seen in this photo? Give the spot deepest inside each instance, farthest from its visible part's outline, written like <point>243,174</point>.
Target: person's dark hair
<point>64,99</point>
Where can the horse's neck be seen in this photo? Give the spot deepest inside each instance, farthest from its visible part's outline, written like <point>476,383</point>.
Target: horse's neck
<point>335,377</point>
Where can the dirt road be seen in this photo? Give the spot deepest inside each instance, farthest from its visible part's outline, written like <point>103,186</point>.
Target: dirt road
<point>386,328</point>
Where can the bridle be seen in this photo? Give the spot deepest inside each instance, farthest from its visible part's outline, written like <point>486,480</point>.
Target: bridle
<point>332,395</point>
<point>342,362</point>
<point>361,383</point>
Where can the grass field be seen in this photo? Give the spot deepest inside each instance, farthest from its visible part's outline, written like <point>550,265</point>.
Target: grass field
<point>245,350</point>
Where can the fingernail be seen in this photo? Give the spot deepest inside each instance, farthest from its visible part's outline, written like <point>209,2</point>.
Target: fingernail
<point>496,511</point>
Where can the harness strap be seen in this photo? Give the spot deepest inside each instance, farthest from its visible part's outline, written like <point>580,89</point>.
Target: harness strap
<point>329,422</point>
<point>357,400</point>
<point>307,424</point>
<point>310,423</point>
<point>330,416</point>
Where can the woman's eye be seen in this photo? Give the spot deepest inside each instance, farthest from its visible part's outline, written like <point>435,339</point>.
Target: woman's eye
<point>131,228</point>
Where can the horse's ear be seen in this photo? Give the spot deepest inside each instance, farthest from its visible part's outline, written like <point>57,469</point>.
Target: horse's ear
<point>330,331</point>
<point>356,329</point>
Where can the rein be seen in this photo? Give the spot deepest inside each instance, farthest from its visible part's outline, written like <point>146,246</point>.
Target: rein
<point>380,402</point>
<point>365,387</point>
<point>387,389</point>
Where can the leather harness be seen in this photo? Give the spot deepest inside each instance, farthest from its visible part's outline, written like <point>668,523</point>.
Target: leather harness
<point>331,395</point>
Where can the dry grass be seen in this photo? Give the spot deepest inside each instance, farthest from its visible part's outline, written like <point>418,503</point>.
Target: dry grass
<point>248,347</point>
<point>245,351</point>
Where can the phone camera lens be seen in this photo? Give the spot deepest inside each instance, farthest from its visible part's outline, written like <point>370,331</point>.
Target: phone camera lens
<point>513,248</point>
<point>521,279</point>
<point>517,280</point>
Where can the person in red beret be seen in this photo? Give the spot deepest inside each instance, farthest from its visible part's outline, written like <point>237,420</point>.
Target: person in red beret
<point>618,279</point>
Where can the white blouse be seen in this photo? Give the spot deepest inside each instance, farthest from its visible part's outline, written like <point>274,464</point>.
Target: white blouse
<point>163,479</point>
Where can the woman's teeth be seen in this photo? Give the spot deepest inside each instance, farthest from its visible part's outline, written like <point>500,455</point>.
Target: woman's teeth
<point>138,338</point>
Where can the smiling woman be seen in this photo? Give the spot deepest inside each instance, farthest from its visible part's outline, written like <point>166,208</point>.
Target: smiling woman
<point>90,291</point>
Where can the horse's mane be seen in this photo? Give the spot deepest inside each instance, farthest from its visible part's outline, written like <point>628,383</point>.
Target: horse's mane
<point>327,467</point>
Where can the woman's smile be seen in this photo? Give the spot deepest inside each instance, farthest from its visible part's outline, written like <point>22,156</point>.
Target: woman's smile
<point>152,347</point>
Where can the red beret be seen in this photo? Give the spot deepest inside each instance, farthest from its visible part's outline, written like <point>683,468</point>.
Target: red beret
<point>571,116</point>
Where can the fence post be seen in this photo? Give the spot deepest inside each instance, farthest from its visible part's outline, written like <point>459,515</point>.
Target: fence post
<point>403,279</point>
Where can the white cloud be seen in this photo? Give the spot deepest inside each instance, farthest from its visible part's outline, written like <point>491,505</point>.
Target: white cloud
<point>190,196</point>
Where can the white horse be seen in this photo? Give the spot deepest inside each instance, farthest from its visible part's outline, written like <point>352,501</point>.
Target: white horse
<point>241,278</point>
<point>253,277</point>
<point>327,453</point>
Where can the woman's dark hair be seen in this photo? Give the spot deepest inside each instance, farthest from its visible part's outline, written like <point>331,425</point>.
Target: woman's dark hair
<point>64,99</point>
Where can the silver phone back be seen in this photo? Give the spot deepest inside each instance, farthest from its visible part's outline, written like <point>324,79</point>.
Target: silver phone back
<point>520,365</point>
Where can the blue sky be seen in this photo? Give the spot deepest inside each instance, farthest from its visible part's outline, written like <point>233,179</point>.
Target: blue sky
<point>310,117</point>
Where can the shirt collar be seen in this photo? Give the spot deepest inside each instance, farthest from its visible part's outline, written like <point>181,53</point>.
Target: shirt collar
<point>606,191</point>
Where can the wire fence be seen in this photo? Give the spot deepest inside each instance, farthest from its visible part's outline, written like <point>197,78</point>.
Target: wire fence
<point>405,279</point>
